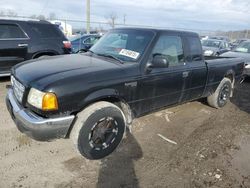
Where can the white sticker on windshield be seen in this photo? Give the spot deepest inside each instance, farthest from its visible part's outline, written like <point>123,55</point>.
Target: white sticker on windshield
<point>129,53</point>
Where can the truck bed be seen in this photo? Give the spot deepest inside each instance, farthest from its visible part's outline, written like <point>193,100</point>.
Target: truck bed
<point>218,67</point>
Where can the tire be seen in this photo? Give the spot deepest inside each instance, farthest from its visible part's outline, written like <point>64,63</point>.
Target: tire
<point>43,57</point>
<point>222,94</point>
<point>98,130</point>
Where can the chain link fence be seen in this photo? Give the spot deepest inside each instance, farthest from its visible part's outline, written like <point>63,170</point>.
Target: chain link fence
<point>79,26</point>
<point>74,27</point>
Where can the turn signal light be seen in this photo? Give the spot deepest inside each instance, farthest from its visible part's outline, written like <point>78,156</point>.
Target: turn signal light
<point>50,102</point>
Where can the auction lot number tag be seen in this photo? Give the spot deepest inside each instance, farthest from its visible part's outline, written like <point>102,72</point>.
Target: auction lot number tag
<point>129,53</point>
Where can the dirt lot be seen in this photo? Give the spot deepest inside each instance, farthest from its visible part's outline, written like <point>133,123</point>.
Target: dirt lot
<point>212,150</point>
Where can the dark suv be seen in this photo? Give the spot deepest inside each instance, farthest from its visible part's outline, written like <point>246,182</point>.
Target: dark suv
<point>24,40</point>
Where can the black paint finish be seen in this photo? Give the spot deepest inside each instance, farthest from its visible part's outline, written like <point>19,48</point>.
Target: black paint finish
<point>81,79</point>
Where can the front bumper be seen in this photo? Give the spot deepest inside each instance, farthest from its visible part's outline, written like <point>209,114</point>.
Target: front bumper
<point>36,127</point>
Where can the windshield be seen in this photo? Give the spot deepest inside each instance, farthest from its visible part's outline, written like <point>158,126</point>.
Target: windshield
<point>243,47</point>
<point>124,45</point>
<point>211,43</point>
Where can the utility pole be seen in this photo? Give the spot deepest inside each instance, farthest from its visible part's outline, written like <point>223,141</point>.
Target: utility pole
<point>246,35</point>
<point>124,19</point>
<point>88,16</point>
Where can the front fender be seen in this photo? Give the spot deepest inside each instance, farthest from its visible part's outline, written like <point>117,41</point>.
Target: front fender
<point>99,95</point>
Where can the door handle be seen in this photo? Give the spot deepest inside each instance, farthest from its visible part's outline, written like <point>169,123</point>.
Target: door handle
<point>185,74</point>
<point>22,45</point>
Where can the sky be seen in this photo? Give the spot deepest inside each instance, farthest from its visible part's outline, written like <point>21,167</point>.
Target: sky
<point>174,14</point>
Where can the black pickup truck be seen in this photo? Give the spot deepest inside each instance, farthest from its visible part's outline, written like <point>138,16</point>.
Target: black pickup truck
<point>92,97</point>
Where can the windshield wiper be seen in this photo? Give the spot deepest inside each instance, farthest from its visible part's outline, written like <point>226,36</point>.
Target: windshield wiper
<point>110,56</point>
<point>90,51</point>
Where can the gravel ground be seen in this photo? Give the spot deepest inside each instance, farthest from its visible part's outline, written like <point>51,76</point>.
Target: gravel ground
<point>211,148</point>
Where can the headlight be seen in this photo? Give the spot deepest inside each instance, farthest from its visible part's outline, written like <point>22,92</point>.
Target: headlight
<point>42,100</point>
<point>208,52</point>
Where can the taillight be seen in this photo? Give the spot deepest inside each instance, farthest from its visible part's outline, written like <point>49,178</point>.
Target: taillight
<point>67,44</point>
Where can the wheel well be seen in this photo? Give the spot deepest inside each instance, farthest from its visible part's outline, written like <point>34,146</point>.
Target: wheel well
<point>231,77</point>
<point>118,102</point>
<point>123,106</point>
<point>43,54</point>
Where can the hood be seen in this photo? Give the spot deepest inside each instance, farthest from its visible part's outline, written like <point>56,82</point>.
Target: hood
<point>214,49</point>
<point>245,56</point>
<point>44,71</point>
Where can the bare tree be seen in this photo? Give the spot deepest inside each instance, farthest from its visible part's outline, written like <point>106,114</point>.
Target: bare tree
<point>39,17</point>
<point>2,13</point>
<point>111,18</point>
<point>11,13</point>
<point>52,16</point>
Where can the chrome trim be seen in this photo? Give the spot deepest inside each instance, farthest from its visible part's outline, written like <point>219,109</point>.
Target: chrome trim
<point>18,88</point>
<point>15,39</point>
<point>22,45</point>
<point>32,120</point>
<point>4,74</point>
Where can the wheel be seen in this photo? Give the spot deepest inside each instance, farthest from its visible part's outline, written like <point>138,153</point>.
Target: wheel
<point>222,94</point>
<point>43,57</point>
<point>98,130</point>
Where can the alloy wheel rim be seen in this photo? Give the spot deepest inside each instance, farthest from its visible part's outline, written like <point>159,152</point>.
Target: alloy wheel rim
<point>224,94</point>
<point>103,133</point>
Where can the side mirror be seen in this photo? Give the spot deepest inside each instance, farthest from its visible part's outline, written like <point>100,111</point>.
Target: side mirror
<point>160,62</point>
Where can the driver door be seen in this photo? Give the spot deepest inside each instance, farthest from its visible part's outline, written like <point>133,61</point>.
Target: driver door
<point>163,86</point>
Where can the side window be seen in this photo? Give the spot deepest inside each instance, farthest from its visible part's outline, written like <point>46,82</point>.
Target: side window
<point>170,47</point>
<point>195,50</point>
<point>87,41</point>
<point>11,31</point>
<point>90,40</point>
<point>46,30</point>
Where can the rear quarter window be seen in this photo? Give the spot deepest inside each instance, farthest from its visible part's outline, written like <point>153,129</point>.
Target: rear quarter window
<point>46,30</point>
<point>194,49</point>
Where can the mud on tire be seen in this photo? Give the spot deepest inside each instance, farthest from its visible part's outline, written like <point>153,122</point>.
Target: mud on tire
<point>98,130</point>
<point>222,94</point>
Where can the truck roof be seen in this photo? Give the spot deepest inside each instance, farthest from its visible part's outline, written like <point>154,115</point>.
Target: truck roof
<point>156,30</point>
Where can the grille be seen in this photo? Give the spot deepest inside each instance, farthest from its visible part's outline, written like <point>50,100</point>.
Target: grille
<point>18,89</point>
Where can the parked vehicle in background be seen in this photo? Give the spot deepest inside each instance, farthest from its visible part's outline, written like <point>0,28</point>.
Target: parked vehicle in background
<point>91,97</point>
<point>204,37</point>
<point>214,47</point>
<point>243,51</point>
<point>84,42</point>
<point>237,42</point>
<point>24,40</point>
<point>224,38</point>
